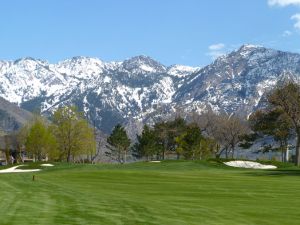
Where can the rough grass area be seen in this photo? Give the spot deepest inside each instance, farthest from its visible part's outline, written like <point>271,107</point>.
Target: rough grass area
<point>171,192</point>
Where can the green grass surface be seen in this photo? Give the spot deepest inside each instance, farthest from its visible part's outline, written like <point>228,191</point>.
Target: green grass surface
<point>151,193</point>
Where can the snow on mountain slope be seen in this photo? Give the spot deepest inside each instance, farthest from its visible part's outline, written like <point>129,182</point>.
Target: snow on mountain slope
<point>236,82</point>
<point>102,89</point>
<point>140,87</point>
<point>181,70</point>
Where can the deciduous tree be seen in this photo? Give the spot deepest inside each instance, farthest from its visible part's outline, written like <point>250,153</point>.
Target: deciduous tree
<point>40,142</point>
<point>73,134</point>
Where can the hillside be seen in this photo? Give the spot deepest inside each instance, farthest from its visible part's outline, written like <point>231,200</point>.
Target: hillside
<point>12,117</point>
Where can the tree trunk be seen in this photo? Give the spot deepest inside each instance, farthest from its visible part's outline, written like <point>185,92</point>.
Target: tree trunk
<point>69,156</point>
<point>163,153</point>
<point>119,156</point>
<point>282,154</point>
<point>286,156</point>
<point>7,156</point>
<point>226,152</point>
<point>218,154</point>
<point>281,147</point>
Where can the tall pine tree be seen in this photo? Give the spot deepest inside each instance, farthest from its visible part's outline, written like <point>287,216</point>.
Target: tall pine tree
<point>118,143</point>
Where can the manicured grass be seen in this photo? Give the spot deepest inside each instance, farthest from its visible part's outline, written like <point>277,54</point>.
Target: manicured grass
<point>170,192</point>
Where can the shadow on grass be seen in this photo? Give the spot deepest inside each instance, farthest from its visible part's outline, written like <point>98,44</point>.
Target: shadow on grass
<point>278,172</point>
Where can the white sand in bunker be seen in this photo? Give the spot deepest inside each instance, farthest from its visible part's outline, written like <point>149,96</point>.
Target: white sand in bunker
<point>47,164</point>
<point>16,170</point>
<point>249,164</point>
<point>155,161</point>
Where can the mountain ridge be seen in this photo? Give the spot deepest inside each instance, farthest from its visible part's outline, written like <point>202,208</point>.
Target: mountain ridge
<point>133,89</point>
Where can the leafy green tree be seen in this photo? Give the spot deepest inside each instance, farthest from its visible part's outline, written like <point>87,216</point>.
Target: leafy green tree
<point>73,134</point>
<point>40,142</point>
<point>118,143</point>
<point>192,145</point>
<point>209,147</point>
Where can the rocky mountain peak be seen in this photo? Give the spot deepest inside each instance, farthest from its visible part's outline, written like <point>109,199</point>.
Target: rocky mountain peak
<point>236,82</point>
<point>143,63</point>
<point>140,88</point>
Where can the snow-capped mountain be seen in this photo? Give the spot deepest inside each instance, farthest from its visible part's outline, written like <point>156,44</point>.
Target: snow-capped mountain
<point>139,88</point>
<point>237,82</point>
<point>108,92</point>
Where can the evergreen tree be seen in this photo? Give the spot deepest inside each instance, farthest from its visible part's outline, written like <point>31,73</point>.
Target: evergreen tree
<point>147,144</point>
<point>176,128</point>
<point>166,132</point>
<point>118,144</point>
<point>273,123</point>
<point>285,102</point>
<point>163,137</point>
<point>189,142</point>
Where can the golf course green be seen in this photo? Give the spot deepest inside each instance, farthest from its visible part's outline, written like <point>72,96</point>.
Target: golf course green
<point>169,192</point>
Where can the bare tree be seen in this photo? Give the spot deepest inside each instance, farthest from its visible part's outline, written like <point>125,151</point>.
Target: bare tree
<point>225,129</point>
<point>230,129</point>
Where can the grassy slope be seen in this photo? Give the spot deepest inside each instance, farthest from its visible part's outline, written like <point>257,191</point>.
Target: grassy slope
<point>151,193</point>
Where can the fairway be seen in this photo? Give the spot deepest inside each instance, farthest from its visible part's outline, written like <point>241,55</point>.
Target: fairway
<point>171,192</point>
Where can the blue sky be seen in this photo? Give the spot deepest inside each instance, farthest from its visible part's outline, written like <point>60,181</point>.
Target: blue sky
<point>190,32</point>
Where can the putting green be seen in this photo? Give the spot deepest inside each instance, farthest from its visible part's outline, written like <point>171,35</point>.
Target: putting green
<point>170,192</point>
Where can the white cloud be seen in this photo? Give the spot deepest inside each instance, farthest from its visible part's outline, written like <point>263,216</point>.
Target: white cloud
<point>296,17</point>
<point>215,54</point>
<point>216,50</point>
<point>216,47</point>
<point>286,33</point>
<point>283,3</point>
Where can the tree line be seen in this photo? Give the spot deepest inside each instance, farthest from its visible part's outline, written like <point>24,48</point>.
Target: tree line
<point>219,135</point>
<point>207,135</point>
<point>69,137</point>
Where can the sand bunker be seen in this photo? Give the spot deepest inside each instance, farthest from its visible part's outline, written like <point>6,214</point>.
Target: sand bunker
<point>15,170</point>
<point>155,161</point>
<point>47,164</point>
<point>249,164</point>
